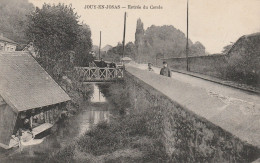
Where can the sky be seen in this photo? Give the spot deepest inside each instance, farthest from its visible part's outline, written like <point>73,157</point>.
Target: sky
<point>215,23</point>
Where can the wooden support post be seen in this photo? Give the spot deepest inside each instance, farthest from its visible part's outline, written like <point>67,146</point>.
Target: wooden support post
<point>31,121</point>
<point>187,41</point>
<point>99,46</point>
<point>98,73</point>
<point>47,117</point>
<point>44,116</point>
<point>106,71</point>
<point>124,36</point>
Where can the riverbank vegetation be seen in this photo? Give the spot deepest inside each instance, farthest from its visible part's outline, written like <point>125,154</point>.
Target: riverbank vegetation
<point>60,43</point>
<point>118,95</point>
<point>124,139</point>
<point>149,135</point>
<point>130,136</point>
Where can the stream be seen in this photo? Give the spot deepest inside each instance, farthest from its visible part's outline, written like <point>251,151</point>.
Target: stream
<point>93,112</point>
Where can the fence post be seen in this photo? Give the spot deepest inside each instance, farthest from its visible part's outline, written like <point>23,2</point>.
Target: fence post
<point>106,71</point>
<point>98,71</point>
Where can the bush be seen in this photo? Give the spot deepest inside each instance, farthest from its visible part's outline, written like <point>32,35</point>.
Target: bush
<point>127,132</point>
<point>243,61</point>
<point>118,97</point>
<point>64,155</point>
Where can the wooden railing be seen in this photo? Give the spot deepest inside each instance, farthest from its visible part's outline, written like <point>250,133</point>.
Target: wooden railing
<point>87,74</point>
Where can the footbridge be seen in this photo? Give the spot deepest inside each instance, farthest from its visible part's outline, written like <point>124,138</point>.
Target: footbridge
<point>97,74</point>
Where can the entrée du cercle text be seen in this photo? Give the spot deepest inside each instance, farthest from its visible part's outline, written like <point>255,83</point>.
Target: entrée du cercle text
<point>123,7</point>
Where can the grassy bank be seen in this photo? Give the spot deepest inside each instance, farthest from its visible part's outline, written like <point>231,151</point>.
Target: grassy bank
<point>79,93</point>
<point>130,135</point>
<point>126,138</point>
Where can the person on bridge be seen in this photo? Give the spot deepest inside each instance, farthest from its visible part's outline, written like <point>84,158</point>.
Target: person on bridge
<point>150,67</point>
<point>165,71</point>
<point>103,63</point>
<point>112,64</point>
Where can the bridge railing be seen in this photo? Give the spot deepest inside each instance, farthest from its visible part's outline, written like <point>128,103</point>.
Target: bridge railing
<point>99,74</point>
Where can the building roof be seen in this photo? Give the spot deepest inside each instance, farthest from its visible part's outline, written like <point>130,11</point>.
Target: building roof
<point>2,38</point>
<point>25,85</point>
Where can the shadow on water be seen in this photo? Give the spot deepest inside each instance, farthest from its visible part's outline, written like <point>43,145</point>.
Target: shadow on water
<point>93,111</point>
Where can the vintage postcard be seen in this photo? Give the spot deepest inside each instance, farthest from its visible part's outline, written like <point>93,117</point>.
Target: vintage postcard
<point>129,81</point>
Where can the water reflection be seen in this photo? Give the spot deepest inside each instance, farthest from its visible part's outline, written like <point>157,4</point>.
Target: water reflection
<point>91,118</point>
<point>97,95</point>
<point>64,132</point>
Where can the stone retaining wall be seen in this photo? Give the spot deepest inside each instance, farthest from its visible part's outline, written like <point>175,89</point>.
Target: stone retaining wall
<point>188,137</point>
<point>208,65</point>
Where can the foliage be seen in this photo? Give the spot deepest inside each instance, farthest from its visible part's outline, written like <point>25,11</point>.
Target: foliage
<point>243,61</point>
<point>165,40</point>
<point>64,155</point>
<point>139,34</point>
<point>57,36</point>
<point>118,97</point>
<point>139,131</point>
<point>115,53</point>
<point>83,47</point>
<point>227,48</point>
<point>13,19</point>
<point>151,130</point>
<point>130,50</point>
<point>53,29</point>
<point>197,49</point>
<point>128,132</point>
<point>188,138</point>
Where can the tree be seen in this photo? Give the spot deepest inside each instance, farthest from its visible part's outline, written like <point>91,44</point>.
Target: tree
<point>243,60</point>
<point>197,49</point>
<point>166,40</point>
<point>116,52</point>
<point>139,34</point>
<point>84,46</point>
<point>53,30</point>
<point>130,50</point>
<point>56,34</point>
<point>227,48</point>
<point>13,19</point>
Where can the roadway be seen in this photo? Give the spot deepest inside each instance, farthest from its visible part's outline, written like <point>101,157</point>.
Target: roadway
<point>232,109</point>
